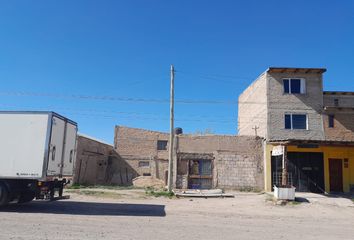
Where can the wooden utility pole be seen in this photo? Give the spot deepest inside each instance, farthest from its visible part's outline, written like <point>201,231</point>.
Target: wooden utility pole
<point>170,159</point>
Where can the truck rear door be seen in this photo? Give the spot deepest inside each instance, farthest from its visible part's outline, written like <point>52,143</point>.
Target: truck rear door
<point>70,150</point>
<point>56,147</point>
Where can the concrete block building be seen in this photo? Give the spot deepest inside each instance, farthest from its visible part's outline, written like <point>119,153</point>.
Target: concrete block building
<point>202,162</point>
<point>287,106</point>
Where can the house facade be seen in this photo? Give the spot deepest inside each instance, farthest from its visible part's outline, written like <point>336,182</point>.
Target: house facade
<point>287,106</point>
<point>200,162</point>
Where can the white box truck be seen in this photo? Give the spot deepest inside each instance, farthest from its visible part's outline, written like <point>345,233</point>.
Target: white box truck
<point>37,155</point>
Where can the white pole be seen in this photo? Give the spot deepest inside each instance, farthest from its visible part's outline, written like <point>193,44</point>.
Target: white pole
<point>170,159</point>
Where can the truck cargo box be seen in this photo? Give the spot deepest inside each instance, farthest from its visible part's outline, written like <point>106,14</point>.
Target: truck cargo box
<point>36,145</point>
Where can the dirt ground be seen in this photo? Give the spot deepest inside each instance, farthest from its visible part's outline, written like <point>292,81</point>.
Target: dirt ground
<point>130,214</point>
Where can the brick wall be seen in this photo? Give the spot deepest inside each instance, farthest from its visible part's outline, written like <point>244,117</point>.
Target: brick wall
<point>343,129</point>
<point>344,100</point>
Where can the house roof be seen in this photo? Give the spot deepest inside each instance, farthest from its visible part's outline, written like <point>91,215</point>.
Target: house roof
<point>295,70</point>
<point>94,139</point>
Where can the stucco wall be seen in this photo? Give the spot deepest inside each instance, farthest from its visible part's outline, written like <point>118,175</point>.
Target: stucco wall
<point>97,163</point>
<point>252,108</point>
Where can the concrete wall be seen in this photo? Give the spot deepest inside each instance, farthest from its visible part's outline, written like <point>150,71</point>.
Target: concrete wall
<point>252,108</point>
<point>310,103</point>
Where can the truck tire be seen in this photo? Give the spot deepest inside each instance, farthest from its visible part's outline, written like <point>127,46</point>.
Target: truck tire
<point>26,197</point>
<point>4,195</point>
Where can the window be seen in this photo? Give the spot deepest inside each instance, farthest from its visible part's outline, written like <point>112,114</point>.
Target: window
<point>162,145</point>
<point>331,121</point>
<point>294,85</point>
<point>336,102</point>
<point>146,174</point>
<point>295,121</point>
<point>144,164</point>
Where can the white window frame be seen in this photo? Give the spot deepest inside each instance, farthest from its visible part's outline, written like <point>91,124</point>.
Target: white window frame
<point>291,121</point>
<point>302,85</point>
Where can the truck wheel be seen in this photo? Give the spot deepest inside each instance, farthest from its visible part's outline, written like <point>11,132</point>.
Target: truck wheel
<point>4,195</point>
<point>26,197</point>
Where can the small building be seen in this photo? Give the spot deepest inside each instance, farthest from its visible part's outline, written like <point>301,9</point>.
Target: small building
<point>287,106</point>
<point>203,162</point>
<point>97,163</point>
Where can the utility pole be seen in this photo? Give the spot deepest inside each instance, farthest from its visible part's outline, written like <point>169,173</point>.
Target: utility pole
<point>171,145</point>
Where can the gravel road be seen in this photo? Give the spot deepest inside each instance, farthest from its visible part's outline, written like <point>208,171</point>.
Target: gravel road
<point>247,216</point>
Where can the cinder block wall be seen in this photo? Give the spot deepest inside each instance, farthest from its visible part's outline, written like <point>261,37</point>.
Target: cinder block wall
<point>238,160</point>
<point>239,171</point>
<point>310,103</point>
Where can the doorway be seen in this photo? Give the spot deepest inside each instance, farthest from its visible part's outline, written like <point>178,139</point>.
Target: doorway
<point>336,175</point>
<point>305,168</point>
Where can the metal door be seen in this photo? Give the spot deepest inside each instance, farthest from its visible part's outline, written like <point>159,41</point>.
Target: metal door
<point>336,175</point>
<point>56,147</point>
<point>69,150</point>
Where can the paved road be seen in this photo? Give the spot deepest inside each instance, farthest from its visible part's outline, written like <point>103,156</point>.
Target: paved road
<point>247,216</point>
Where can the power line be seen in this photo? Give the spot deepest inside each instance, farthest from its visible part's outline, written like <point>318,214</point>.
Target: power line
<point>103,111</point>
<point>114,98</point>
<point>125,99</point>
<point>213,76</point>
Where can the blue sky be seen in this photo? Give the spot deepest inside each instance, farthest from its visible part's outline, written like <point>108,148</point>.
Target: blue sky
<point>66,55</point>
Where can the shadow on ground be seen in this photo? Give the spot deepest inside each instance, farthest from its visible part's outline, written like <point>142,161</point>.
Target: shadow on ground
<point>301,200</point>
<point>88,208</point>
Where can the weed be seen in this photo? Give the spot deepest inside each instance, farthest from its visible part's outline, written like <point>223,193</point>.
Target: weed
<point>110,187</point>
<point>294,202</point>
<point>95,193</point>
<point>158,193</point>
<point>249,189</point>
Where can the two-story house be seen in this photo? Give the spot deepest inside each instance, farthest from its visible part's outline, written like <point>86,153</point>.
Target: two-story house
<point>287,106</point>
